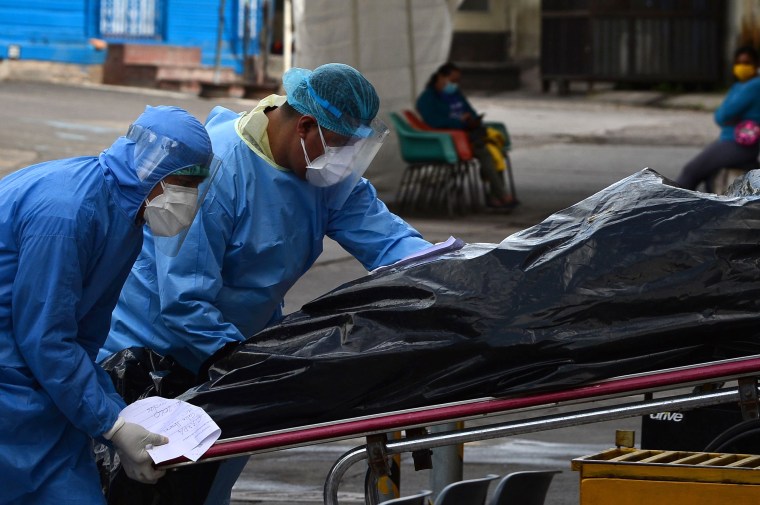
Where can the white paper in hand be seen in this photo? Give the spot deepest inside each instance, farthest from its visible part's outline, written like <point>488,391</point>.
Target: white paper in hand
<point>189,429</point>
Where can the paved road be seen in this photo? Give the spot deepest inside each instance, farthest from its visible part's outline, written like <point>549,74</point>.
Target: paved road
<point>565,150</point>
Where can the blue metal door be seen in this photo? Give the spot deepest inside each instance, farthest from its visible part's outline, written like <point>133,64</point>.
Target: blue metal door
<point>131,19</point>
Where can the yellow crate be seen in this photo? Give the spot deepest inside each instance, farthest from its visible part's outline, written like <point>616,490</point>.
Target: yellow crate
<point>636,477</point>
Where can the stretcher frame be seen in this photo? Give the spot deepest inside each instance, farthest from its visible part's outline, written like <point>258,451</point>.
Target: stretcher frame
<point>745,371</point>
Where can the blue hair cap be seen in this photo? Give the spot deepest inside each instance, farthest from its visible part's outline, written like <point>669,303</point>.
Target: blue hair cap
<point>177,124</point>
<point>337,95</point>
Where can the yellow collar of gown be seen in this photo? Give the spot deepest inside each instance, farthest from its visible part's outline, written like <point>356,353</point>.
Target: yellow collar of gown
<point>251,126</point>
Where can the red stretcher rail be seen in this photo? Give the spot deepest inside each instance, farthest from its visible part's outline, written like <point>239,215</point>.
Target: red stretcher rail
<point>621,386</point>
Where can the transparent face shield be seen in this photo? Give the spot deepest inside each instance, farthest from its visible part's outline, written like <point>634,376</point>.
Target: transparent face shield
<point>170,214</point>
<point>341,166</point>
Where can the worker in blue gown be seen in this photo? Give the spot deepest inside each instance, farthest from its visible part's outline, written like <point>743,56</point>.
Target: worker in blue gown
<point>70,231</point>
<point>291,174</point>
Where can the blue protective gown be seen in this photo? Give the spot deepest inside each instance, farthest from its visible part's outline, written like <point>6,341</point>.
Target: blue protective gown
<point>260,230</point>
<point>68,239</point>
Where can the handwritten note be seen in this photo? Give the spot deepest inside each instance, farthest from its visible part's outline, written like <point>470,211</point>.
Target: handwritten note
<point>189,429</point>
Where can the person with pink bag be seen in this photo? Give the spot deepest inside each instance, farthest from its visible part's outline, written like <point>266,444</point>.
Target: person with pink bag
<point>738,116</point>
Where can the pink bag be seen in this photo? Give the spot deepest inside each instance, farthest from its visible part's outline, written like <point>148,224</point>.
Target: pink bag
<point>747,133</point>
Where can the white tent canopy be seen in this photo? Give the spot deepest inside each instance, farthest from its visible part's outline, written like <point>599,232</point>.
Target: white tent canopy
<point>396,44</point>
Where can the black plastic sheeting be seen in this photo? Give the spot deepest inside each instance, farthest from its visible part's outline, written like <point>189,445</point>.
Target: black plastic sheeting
<point>138,373</point>
<point>640,276</point>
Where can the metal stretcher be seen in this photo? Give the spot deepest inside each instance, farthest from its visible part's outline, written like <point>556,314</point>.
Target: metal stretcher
<point>740,375</point>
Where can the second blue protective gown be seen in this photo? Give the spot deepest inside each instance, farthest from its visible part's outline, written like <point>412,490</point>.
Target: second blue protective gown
<point>261,229</point>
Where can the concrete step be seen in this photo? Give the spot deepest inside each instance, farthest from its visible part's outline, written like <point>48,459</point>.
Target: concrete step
<point>194,73</point>
<point>173,76</point>
<point>153,54</point>
<point>157,65</point>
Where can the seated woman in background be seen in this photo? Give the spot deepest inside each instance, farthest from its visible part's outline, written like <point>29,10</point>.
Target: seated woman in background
<point>442,105</point>
<point>736,147</point>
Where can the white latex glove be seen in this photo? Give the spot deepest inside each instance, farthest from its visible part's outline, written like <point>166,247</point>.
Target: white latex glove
<point>131,440</point>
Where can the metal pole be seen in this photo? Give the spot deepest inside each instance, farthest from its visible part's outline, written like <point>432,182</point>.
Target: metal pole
<point>577,418</point>
<point>265,40</point>
<point>412,50</point>
<point>287,35</point>
<point>246,41</point>
<point>356,45</point>
<point>219,33</point>
<point>448,465</point>
<point>338,470</point>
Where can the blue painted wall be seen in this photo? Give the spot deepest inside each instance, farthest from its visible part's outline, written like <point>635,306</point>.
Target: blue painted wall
<point>48,30</point>
<point>195,23</point>
<point>60,30</point>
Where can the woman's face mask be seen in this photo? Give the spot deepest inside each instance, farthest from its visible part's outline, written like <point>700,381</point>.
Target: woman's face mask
<point>744,71</point>
<point>330,168</point>
<point>171,212</point>
<point>450,87</point>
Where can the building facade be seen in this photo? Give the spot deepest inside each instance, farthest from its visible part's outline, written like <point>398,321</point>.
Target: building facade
<point>79,31</point>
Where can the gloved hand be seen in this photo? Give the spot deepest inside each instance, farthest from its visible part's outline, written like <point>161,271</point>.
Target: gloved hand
<point>131,440</point>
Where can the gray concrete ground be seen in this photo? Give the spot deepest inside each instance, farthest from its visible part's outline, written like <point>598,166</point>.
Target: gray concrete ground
<point>565,149</point>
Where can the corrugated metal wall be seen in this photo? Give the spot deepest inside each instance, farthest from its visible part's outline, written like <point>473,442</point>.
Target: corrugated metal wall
<point>650,41</point>
<point>195,23</point>
<point>686,49</point>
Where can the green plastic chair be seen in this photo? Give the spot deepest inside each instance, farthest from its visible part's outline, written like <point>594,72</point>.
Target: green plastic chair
<point>421,146</point>
<point>460,137</point>
<point>464,150</point>
<point>469,165</point>
<point>435,176</point>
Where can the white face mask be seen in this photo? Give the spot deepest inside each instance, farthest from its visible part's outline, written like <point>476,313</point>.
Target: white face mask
<point>171,212</point>
<point>330,168</point>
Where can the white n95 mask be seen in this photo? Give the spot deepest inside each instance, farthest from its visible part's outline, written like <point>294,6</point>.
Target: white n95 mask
<point>330,168</point>
<point>340,168</point>
<point>171,212</point>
